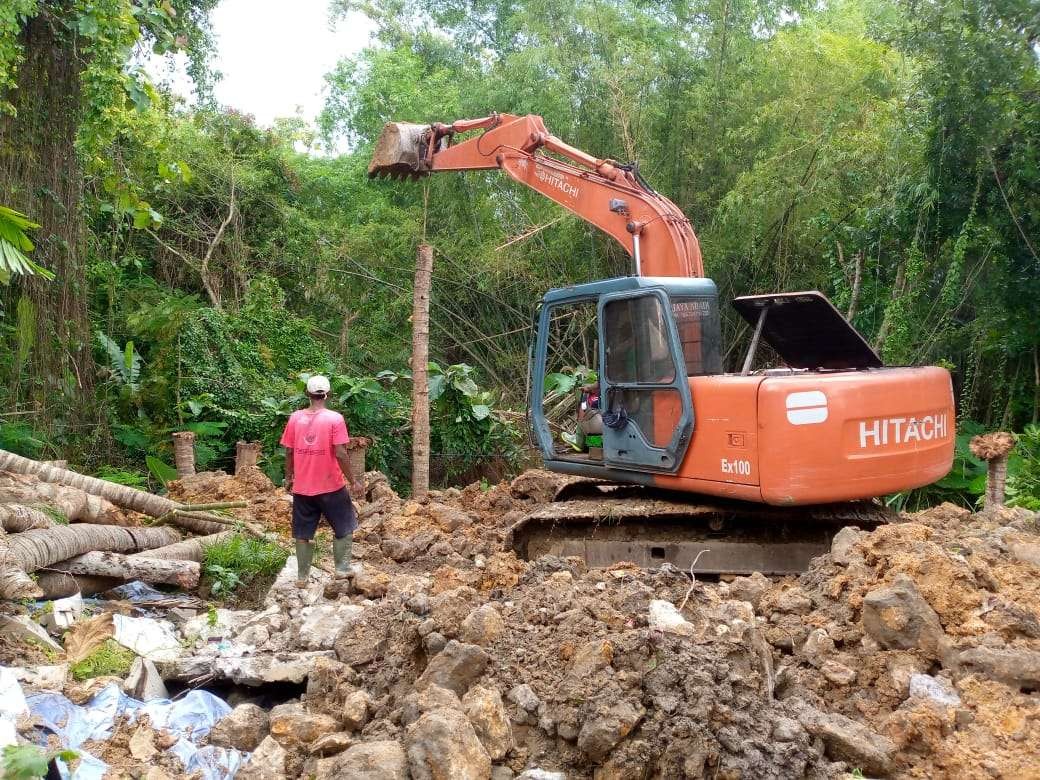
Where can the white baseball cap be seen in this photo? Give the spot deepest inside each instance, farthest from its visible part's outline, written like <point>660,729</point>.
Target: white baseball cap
<point>318,384</point>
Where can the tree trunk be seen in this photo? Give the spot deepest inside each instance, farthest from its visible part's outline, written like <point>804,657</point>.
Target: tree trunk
<point>247,453</point>
<point>996,478</point>
<point>184,453</point>
<point>24,553</point>
<point>15,518</point>
<point>40,175</point>
<point>420,362</point>
<point>76,505</point>
<point>57,585</point>
<point>121,495</point>
<point>189,549</point>
<point>184,574</point>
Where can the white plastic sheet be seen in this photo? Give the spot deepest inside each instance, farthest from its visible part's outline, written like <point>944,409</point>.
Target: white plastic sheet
<point>190,718</point>
<point>149,638</point>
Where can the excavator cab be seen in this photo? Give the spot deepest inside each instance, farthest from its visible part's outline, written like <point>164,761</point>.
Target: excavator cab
<point>645,336</point>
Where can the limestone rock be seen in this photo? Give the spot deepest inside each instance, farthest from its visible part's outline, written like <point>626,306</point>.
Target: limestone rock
<point>524,697</point>
<point>843,542</point>
<point>144,682</point>
<point>356,710</point>
<point>664,617</point>
<point>431,698</point>
<point>442,745</point>
<point>602,732</point>
<point>380,760</point>
<point>266,763</point>
<point>933,689</point>
<point>371,583</point>
<point>750,588</point>
<point>320,624</point>
<point>794,601</point>
<point>483,626</point>
<point>244,728</point>
<point>787,730</point>
<point>456,668</point>
<point>847,740</point>
<point>486,712</point>
<point>818,645</point>
<point>897,617</point>
<point>142,744</point>
<point>838,673</point>
<point>1017,667</point>
<point>292,725</point>
<point>331,744</point>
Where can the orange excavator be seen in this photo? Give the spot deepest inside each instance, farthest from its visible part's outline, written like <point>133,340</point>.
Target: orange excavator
<point>710,471</point>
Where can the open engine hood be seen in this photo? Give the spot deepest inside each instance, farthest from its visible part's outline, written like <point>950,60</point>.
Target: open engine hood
<point>806,331</point>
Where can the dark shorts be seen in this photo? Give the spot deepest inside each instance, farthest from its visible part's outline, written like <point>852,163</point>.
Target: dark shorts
<point>336,506</point>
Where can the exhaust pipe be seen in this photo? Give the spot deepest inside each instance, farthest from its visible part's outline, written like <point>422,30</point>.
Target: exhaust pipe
<point>400,151</point>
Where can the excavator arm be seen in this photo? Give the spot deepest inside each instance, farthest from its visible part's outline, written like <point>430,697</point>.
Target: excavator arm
<point>604,193</point>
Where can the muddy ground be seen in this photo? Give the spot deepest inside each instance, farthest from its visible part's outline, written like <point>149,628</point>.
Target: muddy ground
<point>910,651</point>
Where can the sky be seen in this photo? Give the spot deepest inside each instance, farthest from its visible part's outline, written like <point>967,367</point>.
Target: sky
<point>274,55</point>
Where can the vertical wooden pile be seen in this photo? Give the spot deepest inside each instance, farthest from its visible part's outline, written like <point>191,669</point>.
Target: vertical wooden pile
<point>420,360</point>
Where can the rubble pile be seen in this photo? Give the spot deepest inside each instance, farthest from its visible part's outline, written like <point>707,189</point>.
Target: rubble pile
<point>912,650</point>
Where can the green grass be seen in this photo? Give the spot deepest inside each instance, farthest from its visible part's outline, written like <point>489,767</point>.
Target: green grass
<point>53,513</point>
<point>111,658</point>
<point>231,564</point>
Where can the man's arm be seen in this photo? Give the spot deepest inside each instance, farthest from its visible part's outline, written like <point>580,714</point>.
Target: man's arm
<point>357,487</point>
<point>290,467</point>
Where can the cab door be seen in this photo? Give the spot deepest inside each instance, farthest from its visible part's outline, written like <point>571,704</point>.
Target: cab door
<point>644,390</point>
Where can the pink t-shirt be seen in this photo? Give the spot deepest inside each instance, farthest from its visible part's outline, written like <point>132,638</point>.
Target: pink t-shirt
<point>313,436</point>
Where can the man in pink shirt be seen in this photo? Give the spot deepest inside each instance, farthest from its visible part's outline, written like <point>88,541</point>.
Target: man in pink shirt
<point>317,470</point>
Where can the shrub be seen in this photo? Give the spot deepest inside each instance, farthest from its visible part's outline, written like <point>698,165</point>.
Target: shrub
<point>239,560</point>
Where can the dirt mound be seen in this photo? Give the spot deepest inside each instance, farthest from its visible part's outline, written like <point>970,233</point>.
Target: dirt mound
<point>268,504</point>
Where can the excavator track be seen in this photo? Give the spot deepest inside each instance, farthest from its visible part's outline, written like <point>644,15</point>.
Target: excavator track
<point>604,523</point>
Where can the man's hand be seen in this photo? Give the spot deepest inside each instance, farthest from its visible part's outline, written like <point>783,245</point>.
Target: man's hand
<point>357,488</point>
<point>287,484</point>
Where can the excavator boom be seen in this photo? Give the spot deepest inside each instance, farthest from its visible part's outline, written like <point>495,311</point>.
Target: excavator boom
<point>611,196</point>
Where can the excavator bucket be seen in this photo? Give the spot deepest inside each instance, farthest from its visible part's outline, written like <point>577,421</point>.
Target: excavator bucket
<point>400,151</point>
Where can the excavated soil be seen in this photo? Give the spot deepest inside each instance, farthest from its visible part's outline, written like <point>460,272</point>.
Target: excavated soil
<point>912,651</point>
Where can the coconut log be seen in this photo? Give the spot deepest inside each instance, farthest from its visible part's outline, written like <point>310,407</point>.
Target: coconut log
<point>58,585</point>
<point>76,505</point>
<point>121,495</point>
<point>246,454</point>
<point>15,518</point>
<point>134,567</point>
<point>184,453</point>
<point>24,553</point>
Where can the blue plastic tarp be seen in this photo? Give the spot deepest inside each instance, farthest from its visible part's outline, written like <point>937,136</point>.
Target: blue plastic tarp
<point>190,718</point>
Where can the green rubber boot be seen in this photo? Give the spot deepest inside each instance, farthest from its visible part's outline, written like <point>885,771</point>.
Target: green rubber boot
<point>341,554</point>
<point>304,557</point>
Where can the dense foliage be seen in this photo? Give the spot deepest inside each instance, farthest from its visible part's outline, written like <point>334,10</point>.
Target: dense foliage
<point>882,151</point>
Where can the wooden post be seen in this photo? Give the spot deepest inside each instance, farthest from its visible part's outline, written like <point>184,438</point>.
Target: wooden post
<point>184,453</point>
<point>246,454</point>
<point>420,361</point>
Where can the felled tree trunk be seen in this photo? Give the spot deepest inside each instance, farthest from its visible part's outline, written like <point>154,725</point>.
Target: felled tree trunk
<point>121,495</point>
<point>24,553</point>
<point>246,454</point>
<point>76,505</point>
<point>134,567</point>
<point>184,453</point>
<point>58,585</point>
<point>15,518</point>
